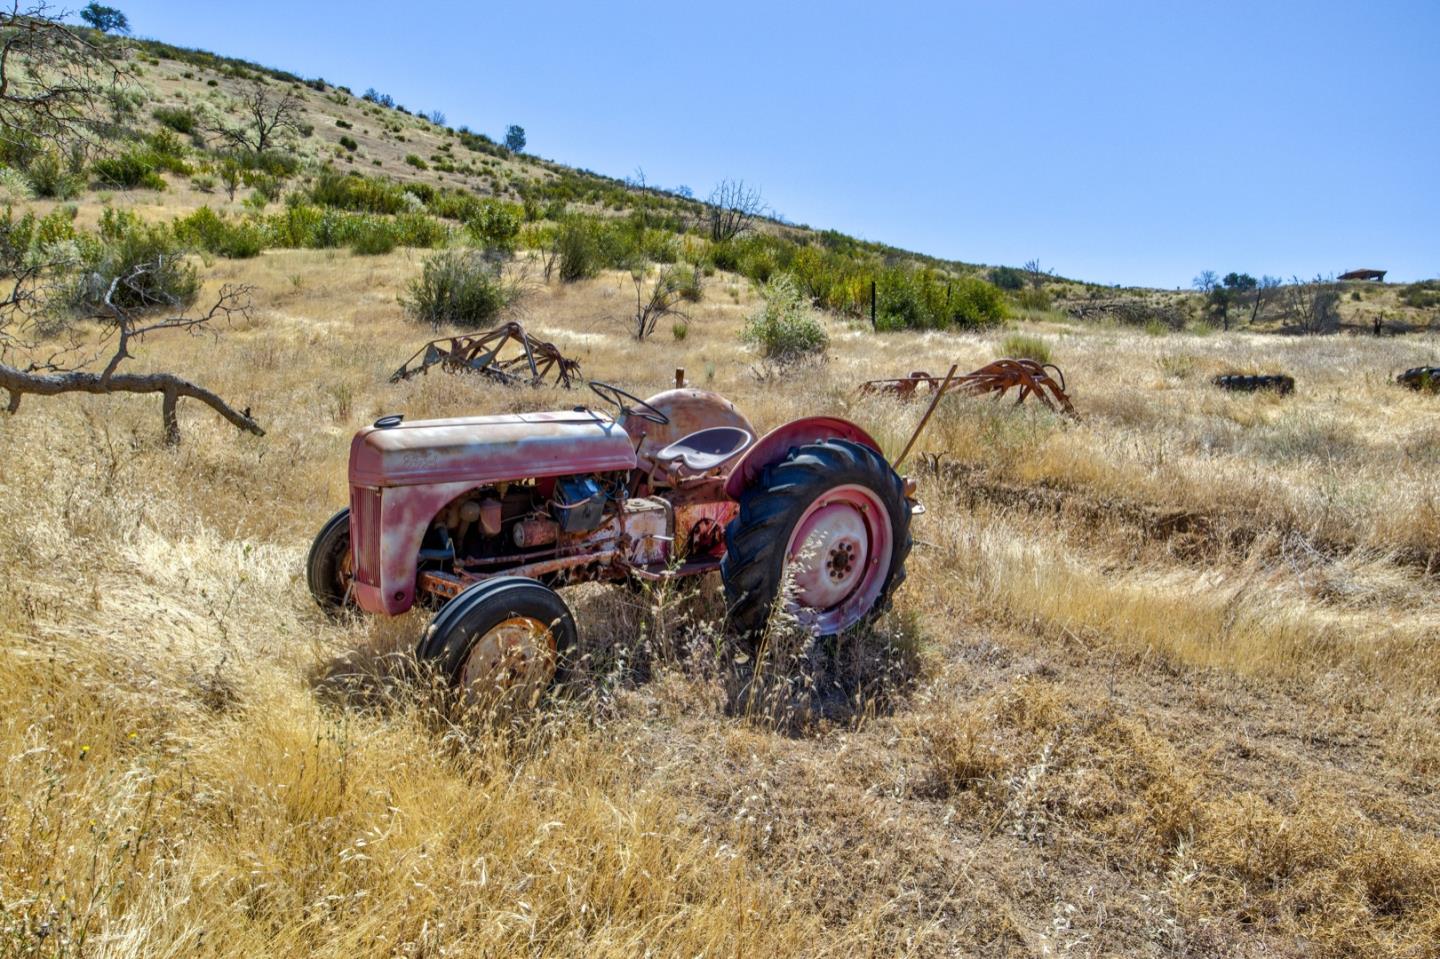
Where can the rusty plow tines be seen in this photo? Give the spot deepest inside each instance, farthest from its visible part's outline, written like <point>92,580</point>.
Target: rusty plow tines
<point>529,361</point>
<point>1042,380</point>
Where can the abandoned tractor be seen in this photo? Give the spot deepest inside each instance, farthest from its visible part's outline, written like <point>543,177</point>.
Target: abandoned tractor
<point>484,516</point>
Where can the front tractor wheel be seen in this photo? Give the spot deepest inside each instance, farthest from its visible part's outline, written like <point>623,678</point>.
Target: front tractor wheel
<point>329,568</point>
<point>830,524</point>
<point>501,641</point>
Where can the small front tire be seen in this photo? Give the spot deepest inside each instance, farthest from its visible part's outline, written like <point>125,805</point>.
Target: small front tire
<point>329,569</point>
<point>503,640</point>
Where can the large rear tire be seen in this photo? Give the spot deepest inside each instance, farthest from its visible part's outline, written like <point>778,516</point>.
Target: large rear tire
<point>831,518</point>
<point>503,640</point>
<point>328,568</point>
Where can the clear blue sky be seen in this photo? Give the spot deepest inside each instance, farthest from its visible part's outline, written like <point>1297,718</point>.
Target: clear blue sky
<point>1117,142</point>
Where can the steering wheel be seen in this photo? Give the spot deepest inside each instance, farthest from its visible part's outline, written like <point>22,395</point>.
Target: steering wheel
<point>642,409</point>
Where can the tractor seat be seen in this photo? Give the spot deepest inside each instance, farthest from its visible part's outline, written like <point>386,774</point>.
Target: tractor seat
<point>704,450</point>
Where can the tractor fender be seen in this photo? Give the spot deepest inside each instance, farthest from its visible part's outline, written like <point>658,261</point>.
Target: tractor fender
<point>392,534</point>
<point>775,445</point>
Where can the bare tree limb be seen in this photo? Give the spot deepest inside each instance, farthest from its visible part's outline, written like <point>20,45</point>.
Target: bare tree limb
<point>662,299</point>
<point>267,118</point>
<point>1312,305</point>
<point>52,79</point>
<point>50,377</point>
<point>732,209</point>
<point>18,383</point>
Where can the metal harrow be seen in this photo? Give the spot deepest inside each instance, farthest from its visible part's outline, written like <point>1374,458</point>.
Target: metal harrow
<point>999,377</point>
<point>480,353</point>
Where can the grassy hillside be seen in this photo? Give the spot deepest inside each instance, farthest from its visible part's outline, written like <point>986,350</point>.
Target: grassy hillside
<point>1162,681</point>
<point>378,163</point>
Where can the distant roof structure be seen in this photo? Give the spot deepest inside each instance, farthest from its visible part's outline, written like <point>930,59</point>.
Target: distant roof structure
<point>1364,275</point>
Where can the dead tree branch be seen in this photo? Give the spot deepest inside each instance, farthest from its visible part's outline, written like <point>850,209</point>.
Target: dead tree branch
<point>52,80</point>
<point>1313,306</point>
<point>52,376</point>
<point>268,118</point>
<point>171,387</point>
<point>662,299</point>
<point>732,209</point>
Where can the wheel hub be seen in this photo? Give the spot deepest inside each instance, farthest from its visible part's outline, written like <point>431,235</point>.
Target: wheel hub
<point>515,658</point>
<point>842,560</point>
<point>835,558</point>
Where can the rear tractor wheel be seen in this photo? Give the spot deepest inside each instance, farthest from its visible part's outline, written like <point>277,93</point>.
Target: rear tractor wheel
<point>830,525</point>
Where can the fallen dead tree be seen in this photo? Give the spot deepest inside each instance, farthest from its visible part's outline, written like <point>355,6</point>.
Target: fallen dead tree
<point>64,371</point>
<point>531,362</point>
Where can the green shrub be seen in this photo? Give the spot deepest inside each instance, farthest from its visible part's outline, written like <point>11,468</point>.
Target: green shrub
<point>169,282</point>
<point>1034,298</point>
<point>135,168</point>
<point>975,303</point>
<point>423,192</point>
<point>266,185</point>
<point>164,151</point>
<point>373,236</point>
<point>351,191</point>
<point>1422,295</point>
<point>785,328</point>
<point>273,162</point>
<point>580,253</point>
<point>459,288</point>
<point>18,148</point>
<point>56,227</point>
<point>417,229</point>
<point>179,119</point>
<point>1008,278</point>
<point>416,161</point>
<point>207,230</point>
<point>348,142</point>
<point>243,239</point>
<point>922,299</point>
<point>301,226</point>
<point>692,287</point>
<point>1018,346</point>
<point>344,124</point>
<point>494,224</point>
<point>49,177</point>
<point>15,185</point>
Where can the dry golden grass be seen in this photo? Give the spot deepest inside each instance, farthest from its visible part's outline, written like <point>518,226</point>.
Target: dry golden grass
<point>1176,691</point>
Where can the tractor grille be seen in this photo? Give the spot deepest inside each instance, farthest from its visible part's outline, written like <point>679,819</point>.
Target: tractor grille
<point>365,533</point>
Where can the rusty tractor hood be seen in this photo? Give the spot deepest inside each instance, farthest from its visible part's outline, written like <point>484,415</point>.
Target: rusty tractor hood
<point>488,449</point>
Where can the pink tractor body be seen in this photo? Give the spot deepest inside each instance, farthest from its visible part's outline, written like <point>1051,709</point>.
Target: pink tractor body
<point>482,516</point>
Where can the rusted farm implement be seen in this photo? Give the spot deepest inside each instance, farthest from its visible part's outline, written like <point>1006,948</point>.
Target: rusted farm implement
<point>1421,378</point>
<point>530,364</point>
<point>1028,376</point>
<point>1243,383</point>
